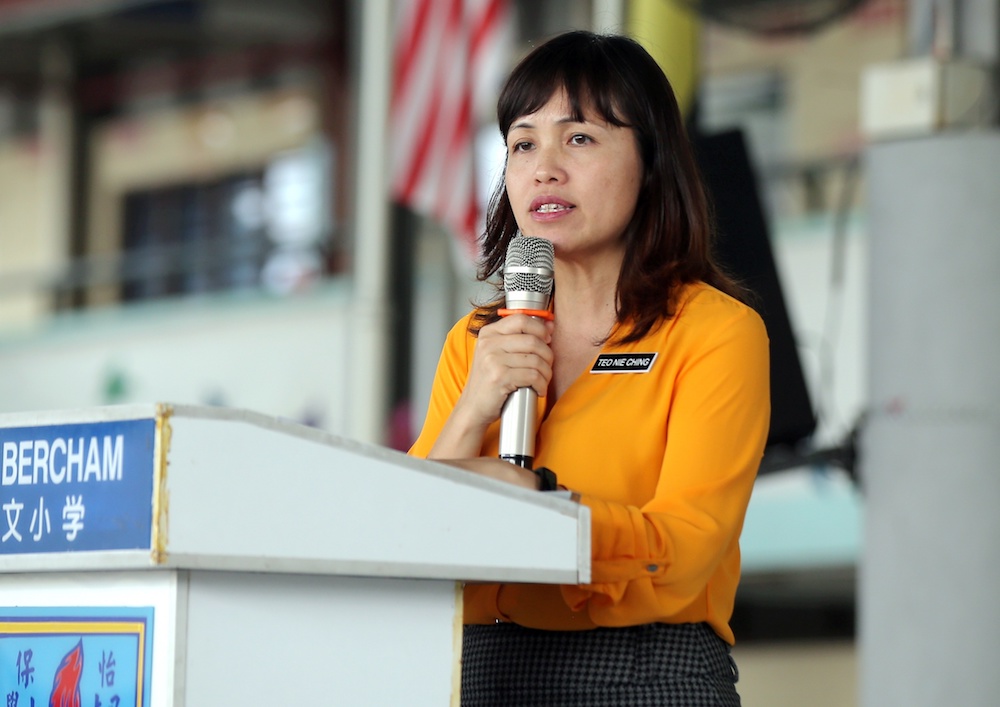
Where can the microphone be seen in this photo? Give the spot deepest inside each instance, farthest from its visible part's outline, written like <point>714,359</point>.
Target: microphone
<point>527,284</point>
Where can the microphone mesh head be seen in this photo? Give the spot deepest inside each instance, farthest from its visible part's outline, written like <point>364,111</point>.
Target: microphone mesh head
<point>528,266</point>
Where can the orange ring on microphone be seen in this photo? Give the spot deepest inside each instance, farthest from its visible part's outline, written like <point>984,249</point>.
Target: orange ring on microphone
<point>540,313</point>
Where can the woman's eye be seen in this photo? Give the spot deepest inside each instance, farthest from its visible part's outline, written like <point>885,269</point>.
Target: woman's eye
<point>522,146</point>
<point>580,139</point>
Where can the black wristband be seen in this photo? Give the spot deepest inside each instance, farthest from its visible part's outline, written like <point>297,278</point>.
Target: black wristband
<point>546,479</point>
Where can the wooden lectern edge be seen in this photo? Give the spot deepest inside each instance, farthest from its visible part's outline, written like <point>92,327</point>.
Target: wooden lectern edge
<point>373,568</point>
<point>457,631</point>
<point>141,560</point>
<point>161,494</point>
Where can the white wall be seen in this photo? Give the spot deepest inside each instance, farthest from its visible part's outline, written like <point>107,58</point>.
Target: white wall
<point>282,357</point>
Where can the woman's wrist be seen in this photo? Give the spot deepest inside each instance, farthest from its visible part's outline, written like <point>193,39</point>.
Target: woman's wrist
<point>459,439</point>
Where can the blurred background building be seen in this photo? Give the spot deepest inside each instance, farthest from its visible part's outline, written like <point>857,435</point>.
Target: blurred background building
<point>269,205</point>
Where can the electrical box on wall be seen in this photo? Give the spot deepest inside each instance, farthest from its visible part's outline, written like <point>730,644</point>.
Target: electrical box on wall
<point>925,95</point>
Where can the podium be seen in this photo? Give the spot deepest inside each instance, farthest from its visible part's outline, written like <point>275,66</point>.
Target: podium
<point>157,555</point>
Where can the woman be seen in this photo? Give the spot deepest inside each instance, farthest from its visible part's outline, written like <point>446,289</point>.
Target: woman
<point>665,454</point>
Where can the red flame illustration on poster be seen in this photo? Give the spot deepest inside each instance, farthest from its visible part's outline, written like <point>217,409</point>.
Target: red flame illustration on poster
<point>66,685</point>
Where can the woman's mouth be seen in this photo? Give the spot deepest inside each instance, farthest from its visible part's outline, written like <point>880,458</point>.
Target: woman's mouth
<point>550,205</point>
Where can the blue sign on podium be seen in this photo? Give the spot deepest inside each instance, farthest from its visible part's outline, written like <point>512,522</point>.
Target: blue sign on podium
<point>77,487</point>
<point>76,656</point>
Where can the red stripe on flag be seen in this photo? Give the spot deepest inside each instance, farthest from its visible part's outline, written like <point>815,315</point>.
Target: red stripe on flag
<point>407,45</point>
<point>439,59</point>
<point>412,176</point>
<point>486,26</point>
<point>432,119</point>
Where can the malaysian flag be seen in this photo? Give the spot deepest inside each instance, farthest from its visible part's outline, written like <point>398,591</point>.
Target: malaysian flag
<point>448,57</point>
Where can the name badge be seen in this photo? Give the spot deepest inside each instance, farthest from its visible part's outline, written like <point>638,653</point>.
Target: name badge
<point>624,363</point>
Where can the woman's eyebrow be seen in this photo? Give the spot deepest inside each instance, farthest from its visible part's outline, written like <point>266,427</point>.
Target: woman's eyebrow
<point>562,121</point>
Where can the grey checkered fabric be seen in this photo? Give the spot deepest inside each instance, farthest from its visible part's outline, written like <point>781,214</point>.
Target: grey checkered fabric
<point>655,665</point>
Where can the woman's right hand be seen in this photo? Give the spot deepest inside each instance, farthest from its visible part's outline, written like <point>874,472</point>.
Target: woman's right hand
<point>511,353</point>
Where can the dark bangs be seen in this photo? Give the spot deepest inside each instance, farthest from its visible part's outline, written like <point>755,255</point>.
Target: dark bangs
<point>584,66</point>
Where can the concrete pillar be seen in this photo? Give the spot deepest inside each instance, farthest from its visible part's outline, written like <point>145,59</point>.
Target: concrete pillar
<point>929,586</point>
<point>369,341</point>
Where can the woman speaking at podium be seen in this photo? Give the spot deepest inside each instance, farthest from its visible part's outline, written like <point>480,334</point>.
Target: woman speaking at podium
<point>664,452</point>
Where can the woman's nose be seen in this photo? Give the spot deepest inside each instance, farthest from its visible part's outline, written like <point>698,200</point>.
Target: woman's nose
<point>549,166</point>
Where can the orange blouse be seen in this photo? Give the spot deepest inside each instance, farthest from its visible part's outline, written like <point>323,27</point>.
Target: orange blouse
<point>665,457</point>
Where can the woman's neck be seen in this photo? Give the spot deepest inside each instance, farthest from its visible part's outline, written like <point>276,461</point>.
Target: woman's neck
<point>585,300</point>
<point>584,319</point>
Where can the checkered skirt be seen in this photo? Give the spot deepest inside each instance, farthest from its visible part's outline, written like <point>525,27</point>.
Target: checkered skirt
<point>661,665</point>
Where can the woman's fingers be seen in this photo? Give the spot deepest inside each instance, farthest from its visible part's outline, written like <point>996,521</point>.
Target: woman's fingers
<point>510,354</point>
<point>520,324</point>
<point>516,353</point>
<point>509,370</point>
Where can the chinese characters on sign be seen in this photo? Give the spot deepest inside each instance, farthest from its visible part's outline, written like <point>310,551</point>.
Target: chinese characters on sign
<point>76,487</point>
<point>72,514</point>
<point>76,660</point>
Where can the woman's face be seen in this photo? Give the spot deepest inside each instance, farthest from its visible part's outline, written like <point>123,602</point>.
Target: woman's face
<point>573,183</point>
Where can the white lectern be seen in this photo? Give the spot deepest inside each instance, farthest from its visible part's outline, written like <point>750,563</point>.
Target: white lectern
<point>176,555</point>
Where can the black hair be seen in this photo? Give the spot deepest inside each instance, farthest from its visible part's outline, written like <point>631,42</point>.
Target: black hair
<point>668,241</point>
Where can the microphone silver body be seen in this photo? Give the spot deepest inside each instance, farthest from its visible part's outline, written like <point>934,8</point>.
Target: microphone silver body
<point>528,271</point>
<point>518,429</point>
